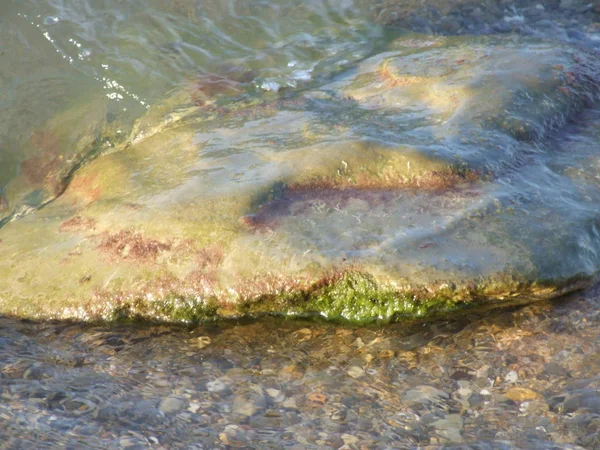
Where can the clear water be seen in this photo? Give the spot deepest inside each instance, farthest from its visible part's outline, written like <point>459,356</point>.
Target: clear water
<point>254,145</point>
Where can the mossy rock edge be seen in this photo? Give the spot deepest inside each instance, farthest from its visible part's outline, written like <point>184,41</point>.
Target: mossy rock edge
<point>350,297</point>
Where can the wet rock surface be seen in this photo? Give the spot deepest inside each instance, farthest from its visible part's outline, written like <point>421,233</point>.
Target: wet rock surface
<point>406,185</point>
<point>505,379</point>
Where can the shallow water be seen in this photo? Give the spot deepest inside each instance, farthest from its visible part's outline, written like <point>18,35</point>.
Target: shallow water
<point>522,378</point>
<point>183,159</point>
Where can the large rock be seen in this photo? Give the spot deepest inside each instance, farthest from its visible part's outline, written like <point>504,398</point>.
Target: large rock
<point>419,181</point>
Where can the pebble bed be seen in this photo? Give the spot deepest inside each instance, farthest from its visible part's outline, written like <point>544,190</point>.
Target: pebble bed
<point>507,379</point>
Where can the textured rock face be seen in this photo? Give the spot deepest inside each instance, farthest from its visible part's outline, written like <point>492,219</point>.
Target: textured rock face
<point>419,180</point>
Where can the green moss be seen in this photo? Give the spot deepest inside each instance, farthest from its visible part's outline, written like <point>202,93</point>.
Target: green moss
<point>353,297</point>
<point>172,308</point>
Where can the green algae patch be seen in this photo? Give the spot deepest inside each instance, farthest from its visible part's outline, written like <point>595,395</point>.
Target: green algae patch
<point>172,308</point>
<point>359,298</point>
<point>353,297</point>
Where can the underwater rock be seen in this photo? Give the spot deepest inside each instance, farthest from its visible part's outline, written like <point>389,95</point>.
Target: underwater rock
<point>50,156</point>
<point>420,181</point>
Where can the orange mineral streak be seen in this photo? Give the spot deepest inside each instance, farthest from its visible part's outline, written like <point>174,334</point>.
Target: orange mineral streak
<point>393,79</point>
<point>84,189</point>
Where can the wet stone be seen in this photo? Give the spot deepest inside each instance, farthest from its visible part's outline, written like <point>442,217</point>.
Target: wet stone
<point>216,386</point>
<point>234,436</point>
<point>305,214</point>
<point>171,404</point>
<point>79,406</point>
<point>248,405</point>
<point>519,394</point>
<point>34,373</point>
<point>425,395</point>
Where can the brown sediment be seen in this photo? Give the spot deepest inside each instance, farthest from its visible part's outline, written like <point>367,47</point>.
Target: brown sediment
<point>271,284</point>
<point>207,260</point>
<point>78,223</point>
<point>210,257</point>
<point>261,221</point>
<point>129,245</point>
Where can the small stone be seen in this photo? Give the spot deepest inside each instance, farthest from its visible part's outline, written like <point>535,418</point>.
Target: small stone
<point>386,354</point>
<point>272,413</point>
<point>276,395</point>
<point>215,386</point>
<point>194,407</point>
<point>450,427</point>
<point>476,400</point>
<point>349,439</point>
<point>33,373</point>
<point>518,394</point>
<point>555,369</point>
<point>463,393</point>
<point>290,403</point>
<point>249,404</point>
<point>200,342</point>
<point>511,377</point>
<point>273,392</point>
<point>316,398</point>
<point>171,404</point>
<point>132,443</point>
<point>423,394</point>
<point>356,372</point>
<point>243,408</point>
<point>79,406</point>
<point>234,436</point>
